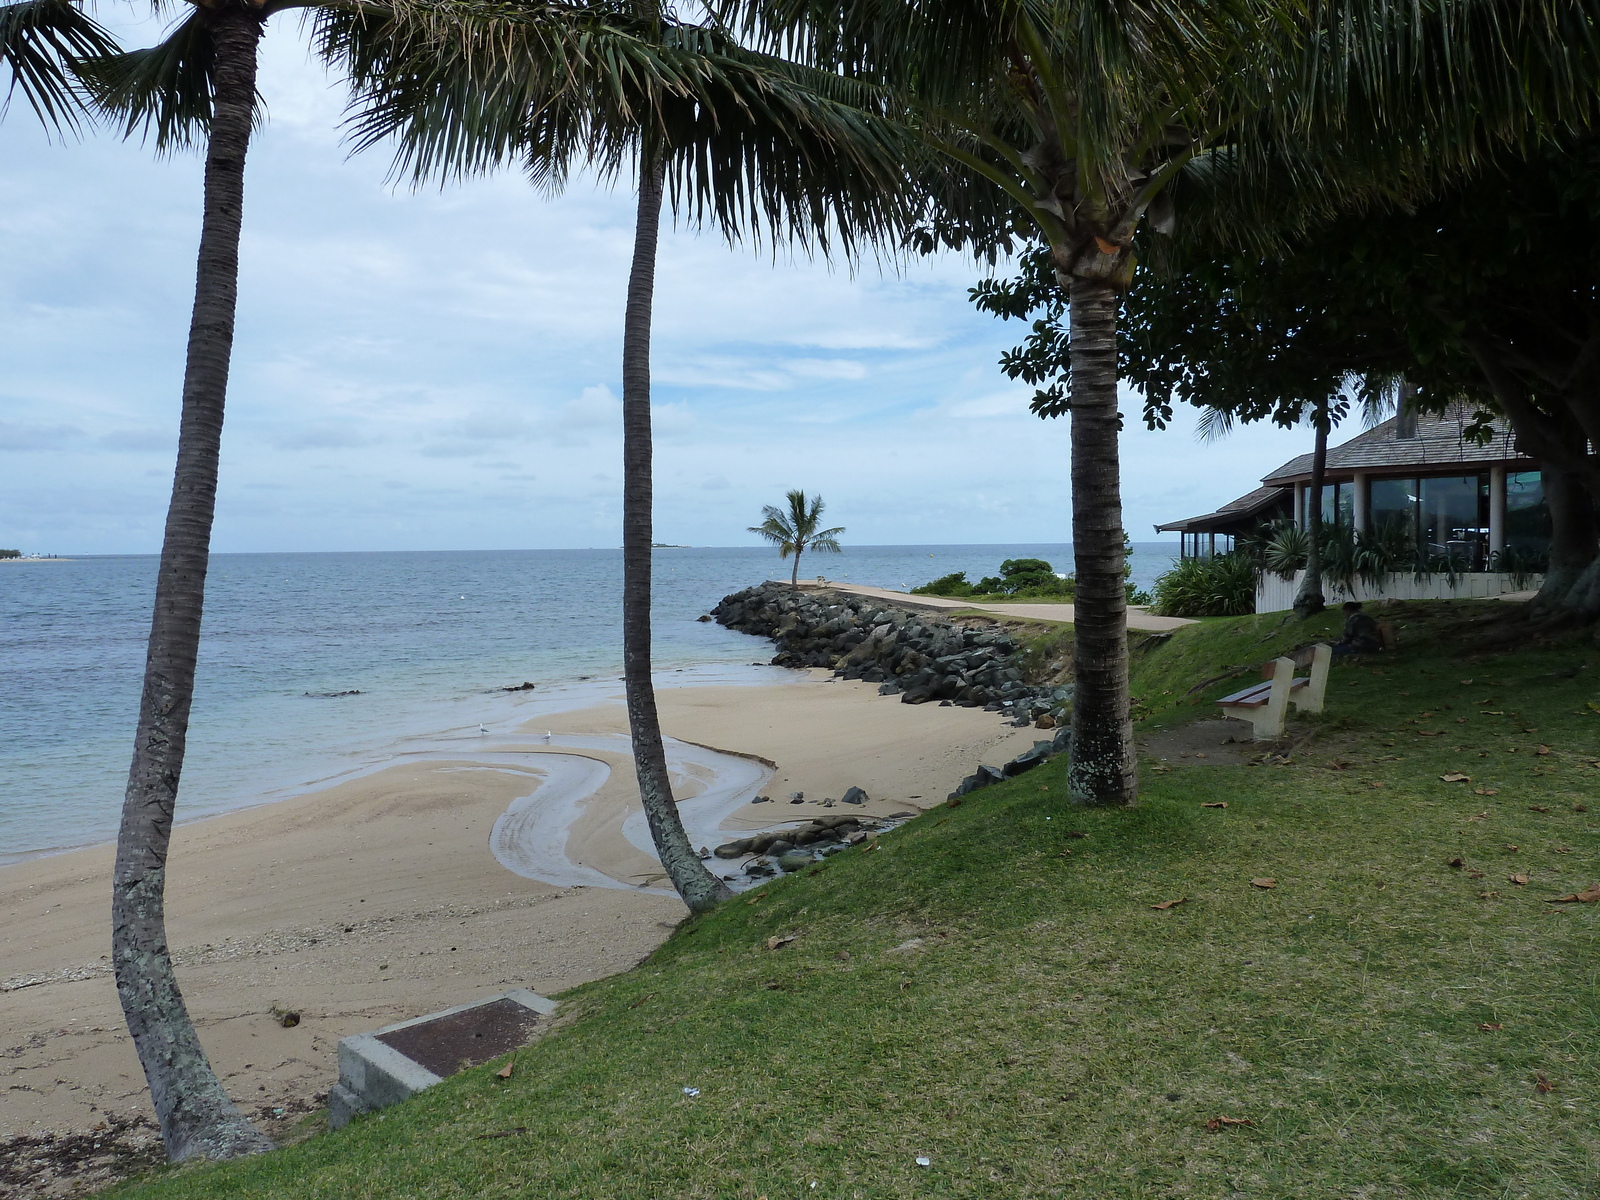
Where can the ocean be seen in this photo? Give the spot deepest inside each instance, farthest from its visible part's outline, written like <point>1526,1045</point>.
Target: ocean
<point>316,665</point>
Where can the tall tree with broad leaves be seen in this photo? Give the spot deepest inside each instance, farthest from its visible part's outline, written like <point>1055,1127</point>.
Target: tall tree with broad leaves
<point>40,42</point>
<point>747,143</point>
<point>794,532</point>
<point>1484,289</point>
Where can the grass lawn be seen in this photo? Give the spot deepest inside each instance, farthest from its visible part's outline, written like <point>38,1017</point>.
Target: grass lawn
<point>990,989</point>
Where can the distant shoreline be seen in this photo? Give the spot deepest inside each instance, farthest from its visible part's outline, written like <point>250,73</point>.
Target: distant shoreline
<point>36,558</point>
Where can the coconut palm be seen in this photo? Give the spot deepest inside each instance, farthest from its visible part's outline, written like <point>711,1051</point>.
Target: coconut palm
<point>1081,113</point>
<point>750,144</point>
<point>199,84</point>
<point>40,41</point>
<point>794,532</point>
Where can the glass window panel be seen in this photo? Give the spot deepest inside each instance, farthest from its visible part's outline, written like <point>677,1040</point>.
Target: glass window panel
<point>1453,519</point>
<point>1338,504</point>
<point>1527,514</point>
<point>1394,503</point>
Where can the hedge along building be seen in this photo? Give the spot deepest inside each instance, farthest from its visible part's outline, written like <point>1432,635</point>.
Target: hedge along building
<point>1474,511</point>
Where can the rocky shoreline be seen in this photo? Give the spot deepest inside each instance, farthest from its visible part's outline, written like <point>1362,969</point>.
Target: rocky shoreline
<point>922,658</point>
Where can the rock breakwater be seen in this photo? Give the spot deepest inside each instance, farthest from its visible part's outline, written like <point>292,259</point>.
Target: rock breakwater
<point>920,657</point>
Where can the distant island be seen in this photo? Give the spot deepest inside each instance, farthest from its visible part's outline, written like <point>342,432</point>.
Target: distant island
<point>668,546</point>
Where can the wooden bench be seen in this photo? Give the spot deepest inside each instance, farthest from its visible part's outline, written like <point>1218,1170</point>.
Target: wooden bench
<point>1265,704</point>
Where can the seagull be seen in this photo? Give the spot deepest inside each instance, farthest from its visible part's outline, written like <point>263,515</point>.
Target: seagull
<point>483,729</point>
<point>547,737</point>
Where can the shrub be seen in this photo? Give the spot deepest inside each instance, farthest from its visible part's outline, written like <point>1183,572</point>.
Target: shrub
<point>1221,586</point>
<point>953,584</point>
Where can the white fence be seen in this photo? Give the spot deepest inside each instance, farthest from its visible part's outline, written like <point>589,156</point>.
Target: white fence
<point>1277,595</point>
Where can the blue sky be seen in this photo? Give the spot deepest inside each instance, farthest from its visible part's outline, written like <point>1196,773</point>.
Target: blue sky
<point>440,369</point>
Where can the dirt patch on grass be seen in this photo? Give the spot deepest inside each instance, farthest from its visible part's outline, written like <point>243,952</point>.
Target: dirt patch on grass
<point>1219,743</point>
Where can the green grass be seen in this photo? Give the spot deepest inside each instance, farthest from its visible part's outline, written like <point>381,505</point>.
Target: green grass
<point>1053,1035</point>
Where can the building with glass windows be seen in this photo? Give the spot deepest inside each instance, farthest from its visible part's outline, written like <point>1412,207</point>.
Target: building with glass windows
<point>1473,508</point>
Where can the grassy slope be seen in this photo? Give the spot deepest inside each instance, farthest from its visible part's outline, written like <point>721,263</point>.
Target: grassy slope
<point>1054,1035</point>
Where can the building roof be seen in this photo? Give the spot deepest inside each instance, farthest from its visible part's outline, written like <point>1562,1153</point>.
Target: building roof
<point>1235,512</point>
<point>1438,444</point>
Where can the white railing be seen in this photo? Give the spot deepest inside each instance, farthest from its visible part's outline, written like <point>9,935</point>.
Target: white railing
<point>1277,595</point>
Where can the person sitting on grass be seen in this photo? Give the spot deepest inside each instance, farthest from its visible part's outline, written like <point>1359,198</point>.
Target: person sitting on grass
<point>1361,634</point>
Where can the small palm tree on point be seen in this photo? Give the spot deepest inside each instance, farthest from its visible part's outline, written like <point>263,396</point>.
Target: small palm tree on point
<point>794,532</point>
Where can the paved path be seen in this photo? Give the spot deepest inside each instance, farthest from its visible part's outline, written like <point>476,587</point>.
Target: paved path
<point>1137,617</point>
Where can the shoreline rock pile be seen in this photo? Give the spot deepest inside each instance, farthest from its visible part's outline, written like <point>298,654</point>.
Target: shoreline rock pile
<point>795,849</point>
<point>915,655</point>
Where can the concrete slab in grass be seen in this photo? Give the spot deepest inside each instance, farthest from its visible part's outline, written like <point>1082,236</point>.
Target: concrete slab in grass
<point>386,1066</point>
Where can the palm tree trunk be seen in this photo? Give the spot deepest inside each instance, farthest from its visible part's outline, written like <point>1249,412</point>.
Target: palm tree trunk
<point>1310,600</point>
<point>1103,769</point>
<point>197,1117</point>
<point>700,889</point>
<point>794,576</point>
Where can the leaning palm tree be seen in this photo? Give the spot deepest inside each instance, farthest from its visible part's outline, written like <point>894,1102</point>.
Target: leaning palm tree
<point>794,532</point>
<point>199,84</point>
<point>748,144</point>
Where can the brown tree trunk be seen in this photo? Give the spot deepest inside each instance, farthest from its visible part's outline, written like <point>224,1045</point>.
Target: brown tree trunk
<point>197,1117</point>
<point>1103,769</point>
<point>794,576</point>
<point>700,889</point>
<point>1310,600</point>
<point>1572,582</point>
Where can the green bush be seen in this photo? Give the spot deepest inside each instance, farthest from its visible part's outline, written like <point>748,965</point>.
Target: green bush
<point>953,584</point>
<point>1221,586</point>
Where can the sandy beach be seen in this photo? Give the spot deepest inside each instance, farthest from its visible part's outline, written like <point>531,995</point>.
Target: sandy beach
<point>386,896</point>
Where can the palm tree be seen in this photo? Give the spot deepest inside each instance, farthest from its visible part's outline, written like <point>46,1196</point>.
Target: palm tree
<point>40,41</point>
<point>1081,113</point>
<point>202,78</point>
<point>745,142</point>
<point>794,532</point>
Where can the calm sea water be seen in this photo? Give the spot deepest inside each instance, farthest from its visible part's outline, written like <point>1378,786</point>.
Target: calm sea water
<point>425,638</point>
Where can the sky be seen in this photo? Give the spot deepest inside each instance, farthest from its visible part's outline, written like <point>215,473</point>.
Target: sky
<point>440,369</point>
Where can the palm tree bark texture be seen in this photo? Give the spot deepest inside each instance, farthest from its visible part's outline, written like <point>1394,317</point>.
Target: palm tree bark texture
<point>1103,766</point>
<point>699,888</point>
<point>197,1117</point>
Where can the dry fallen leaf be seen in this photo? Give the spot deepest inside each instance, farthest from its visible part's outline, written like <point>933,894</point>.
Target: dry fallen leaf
<point>1542,1085</point>
<point>1542,750</point>
<point>782,939</point>
<point>505,1071</point>
<point>1490,1026</point>
<point>1166,904</point>
<point>1483,816</point>
<point>1217,1123</point>
<point>1264,883</point>
<point>1456,777</point>
<point>1589,895</point>
<point>1538,808</point>
<point>1580,808</point>
<point>1561,849</point>
<point>1485,791</point>
<point>1488,895</point>
<point>1519,880</point>
<point>1213,804</point>
<point>1458,863</point>
<point>1510,849</point>
<point>1430,733</point>
<point>757,896</point>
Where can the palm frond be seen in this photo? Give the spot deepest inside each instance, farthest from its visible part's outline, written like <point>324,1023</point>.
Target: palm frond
<point>41,42</point>
<point>164,90</point>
